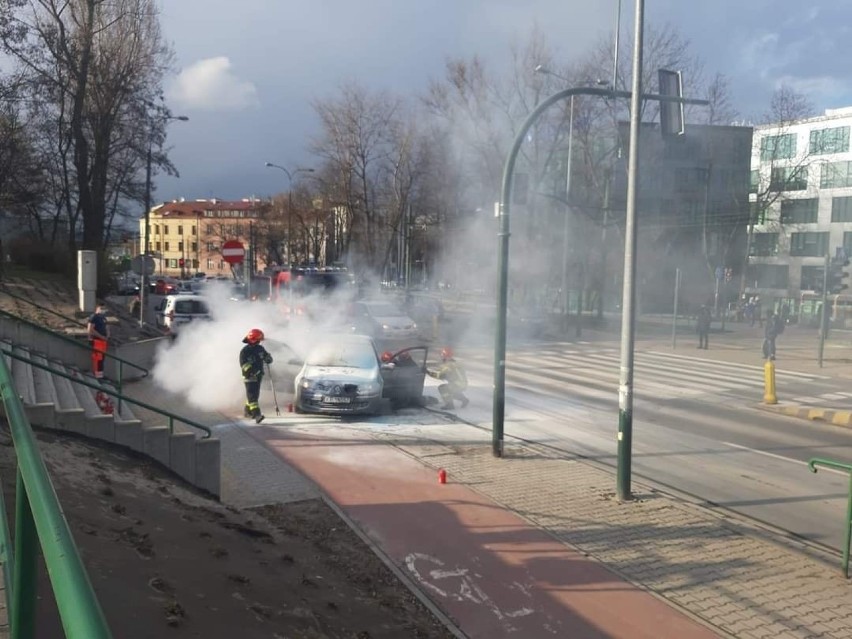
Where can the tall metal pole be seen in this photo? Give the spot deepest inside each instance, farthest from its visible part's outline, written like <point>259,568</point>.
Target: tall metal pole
<point>628,318</point>
<point>566,226</point>
<point>674,312</point>
<point>823,316</point>
<point>146,242</point>
<point>615,48</point>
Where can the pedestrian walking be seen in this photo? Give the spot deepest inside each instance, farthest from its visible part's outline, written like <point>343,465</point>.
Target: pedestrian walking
<point>770,333</point>
<point>98,333</point>
<point>454,377</point>
<point>703,327</point>
<point>253,357</point>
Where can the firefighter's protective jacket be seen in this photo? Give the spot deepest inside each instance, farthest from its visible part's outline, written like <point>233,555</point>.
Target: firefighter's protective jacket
<point>451,372</point>
<point>252,359</point>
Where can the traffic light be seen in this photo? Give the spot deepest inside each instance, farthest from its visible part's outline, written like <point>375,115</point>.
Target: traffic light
<point>836,275</point>
<point>181,262</point>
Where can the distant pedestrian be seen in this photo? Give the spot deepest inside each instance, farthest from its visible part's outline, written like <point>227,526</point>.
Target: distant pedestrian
<point>770,333</point>
<point>98,333</point>
<point>703,326</point>
<point>253,357</point>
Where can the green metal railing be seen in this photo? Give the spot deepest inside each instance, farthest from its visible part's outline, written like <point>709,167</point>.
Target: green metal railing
<point>120,362</point>
<point>39,517</point>
<point>836,465</point>
<point>172,418</point>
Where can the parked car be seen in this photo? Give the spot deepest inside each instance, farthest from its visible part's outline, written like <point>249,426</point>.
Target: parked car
<point>345,375</point>
<point>382,321</point>
<point>175,311</point>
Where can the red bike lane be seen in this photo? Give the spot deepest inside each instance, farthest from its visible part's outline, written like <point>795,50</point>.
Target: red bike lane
<point>485,567</point>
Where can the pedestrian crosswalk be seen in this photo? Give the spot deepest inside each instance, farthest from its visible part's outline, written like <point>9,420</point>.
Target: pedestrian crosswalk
<point>657,375</point>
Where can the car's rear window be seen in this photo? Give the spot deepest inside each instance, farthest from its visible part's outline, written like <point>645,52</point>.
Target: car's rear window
<point>383,310</point>
<point>190,307</point>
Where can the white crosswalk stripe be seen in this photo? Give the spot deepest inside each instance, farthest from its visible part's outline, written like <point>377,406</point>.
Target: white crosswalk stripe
<point>657,375</point>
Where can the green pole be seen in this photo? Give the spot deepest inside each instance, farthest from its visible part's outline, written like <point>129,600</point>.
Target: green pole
<point>628,317</point>
<point>22,615</point>
<point>499,398</point>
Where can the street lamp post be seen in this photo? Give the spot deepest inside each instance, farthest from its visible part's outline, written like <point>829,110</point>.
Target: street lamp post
<point>289,204</point>
<point>143,289</point>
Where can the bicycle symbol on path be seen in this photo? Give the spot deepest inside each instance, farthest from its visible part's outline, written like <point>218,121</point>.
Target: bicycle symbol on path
<point>459,584</point>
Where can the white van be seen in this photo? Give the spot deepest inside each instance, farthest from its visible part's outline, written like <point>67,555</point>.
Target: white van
<point>174,311</point>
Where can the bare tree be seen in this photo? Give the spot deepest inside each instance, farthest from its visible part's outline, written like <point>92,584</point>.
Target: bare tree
<point>92,64</point>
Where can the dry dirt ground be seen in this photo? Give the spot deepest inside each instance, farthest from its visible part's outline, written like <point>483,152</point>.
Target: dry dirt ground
<point>167,561</point>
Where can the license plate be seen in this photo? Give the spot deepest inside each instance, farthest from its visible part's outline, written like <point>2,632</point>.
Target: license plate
<point>337,400</point>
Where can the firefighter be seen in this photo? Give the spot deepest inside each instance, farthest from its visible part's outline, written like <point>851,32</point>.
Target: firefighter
<point>252,359</point>
<point>454,378</point>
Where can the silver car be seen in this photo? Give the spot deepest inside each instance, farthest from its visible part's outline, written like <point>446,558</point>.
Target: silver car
<point>382,320</point>
<point>344,375</point>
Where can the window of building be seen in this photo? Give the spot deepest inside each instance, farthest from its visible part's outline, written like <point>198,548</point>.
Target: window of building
<point>841,209</point>
<point>180,230</point>
<point>194,246</point>
<point>836,175</point>
<point>180,247</point>
<point>195,230</point>
<point>847,242</point>
<point>754,182</point>
<point>172,263</point>
<point>764,244</point>
<point>811,278</point>
<point>757,212</point>
<point>768,275</point>
<point>788,178</point>
<point>166,246</point>
<point>809,244</point>
<point>834,140</point>
<point>777,147</point>
<point>165,229</point>
<point>158,249</point>
<point>211,246</point>
<point>211,264</point>
<point>799,211</point>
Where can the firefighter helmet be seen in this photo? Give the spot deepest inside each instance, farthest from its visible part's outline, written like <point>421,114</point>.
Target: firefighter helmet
<point>446,353</point>
<point>254,336</point>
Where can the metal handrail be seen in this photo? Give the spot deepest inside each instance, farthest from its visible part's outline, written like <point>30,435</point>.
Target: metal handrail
<point>115,393</point>
<point>38,516</point>
<point>836,465</point>
<point>120,360</point>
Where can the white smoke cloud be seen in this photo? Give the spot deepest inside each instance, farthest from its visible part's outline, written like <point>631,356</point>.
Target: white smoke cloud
<point>203,362</point>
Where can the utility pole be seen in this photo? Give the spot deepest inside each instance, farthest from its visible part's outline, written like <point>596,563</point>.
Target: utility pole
<point>628,318</point>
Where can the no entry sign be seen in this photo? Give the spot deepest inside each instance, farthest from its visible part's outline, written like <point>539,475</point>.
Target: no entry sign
<point>233,252</point>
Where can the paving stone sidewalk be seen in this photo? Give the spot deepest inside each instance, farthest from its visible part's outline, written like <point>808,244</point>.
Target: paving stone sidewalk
<point>726,573</point>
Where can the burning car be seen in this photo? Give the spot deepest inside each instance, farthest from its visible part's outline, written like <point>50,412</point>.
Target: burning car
<point>346,375</point>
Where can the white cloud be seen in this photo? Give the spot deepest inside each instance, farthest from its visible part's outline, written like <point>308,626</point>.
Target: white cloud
<point>211,85</point>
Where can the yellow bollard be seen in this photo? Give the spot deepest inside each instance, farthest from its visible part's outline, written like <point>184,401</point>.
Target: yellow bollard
<point>769,396</point>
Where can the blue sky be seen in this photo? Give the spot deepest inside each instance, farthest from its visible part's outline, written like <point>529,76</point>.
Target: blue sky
<point>248,71</point>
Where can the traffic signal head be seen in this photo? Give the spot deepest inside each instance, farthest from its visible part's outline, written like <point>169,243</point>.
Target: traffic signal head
<point>181,262</point>
<point>836,275</point>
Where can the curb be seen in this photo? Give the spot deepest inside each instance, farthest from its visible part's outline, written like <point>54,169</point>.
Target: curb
<point>831,416</point>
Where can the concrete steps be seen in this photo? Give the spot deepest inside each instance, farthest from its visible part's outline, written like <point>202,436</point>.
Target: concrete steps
<point>54,401</point>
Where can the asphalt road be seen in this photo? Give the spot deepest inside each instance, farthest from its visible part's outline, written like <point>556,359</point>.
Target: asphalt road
<point>697,429</point>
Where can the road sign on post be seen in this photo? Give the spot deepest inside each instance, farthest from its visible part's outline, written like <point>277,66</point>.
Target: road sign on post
<point>233,252</point>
